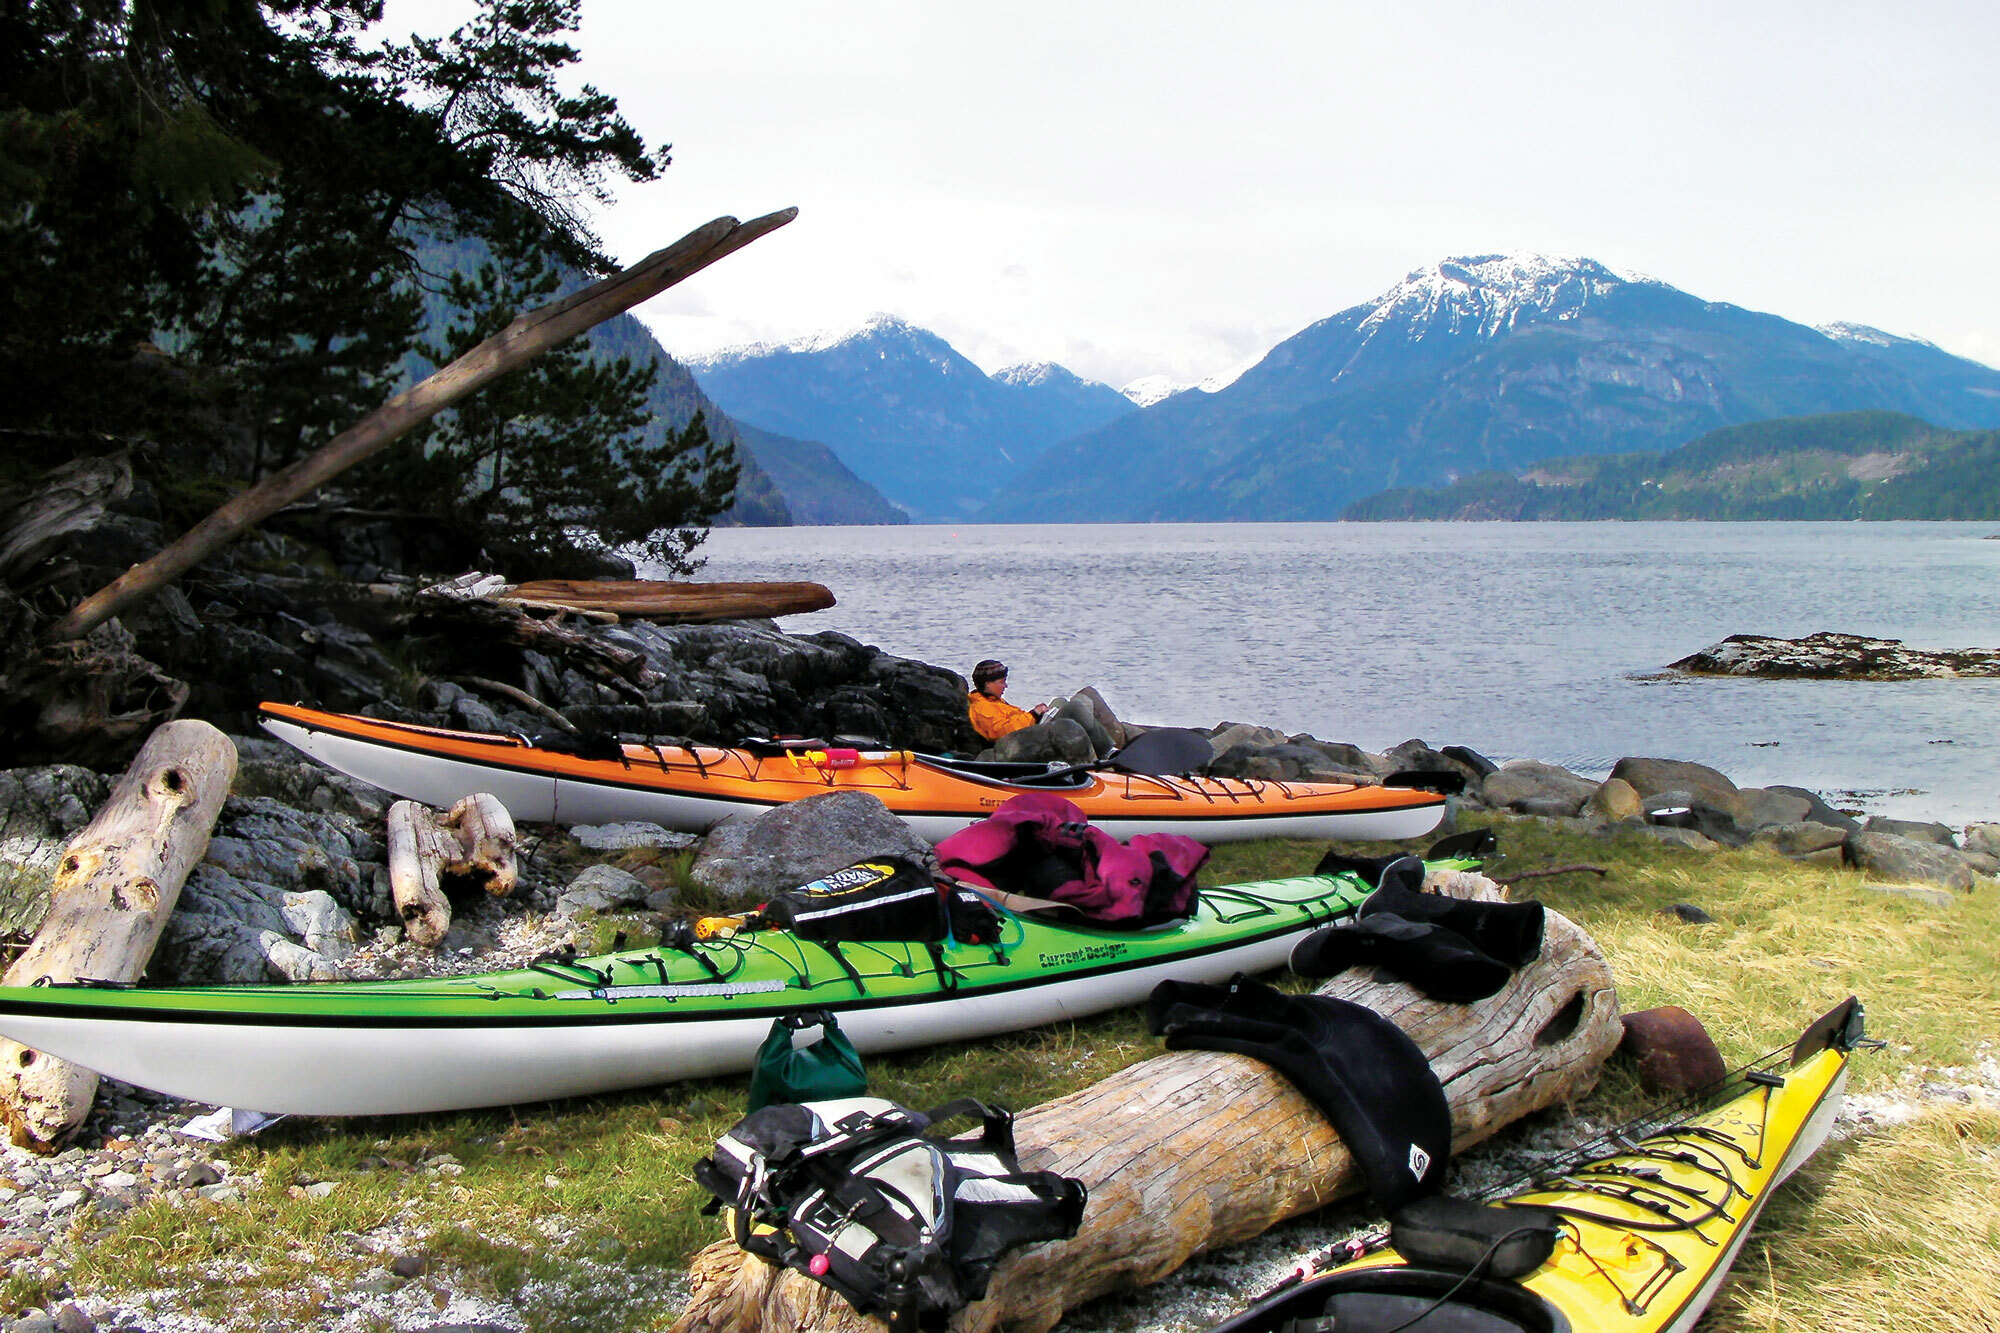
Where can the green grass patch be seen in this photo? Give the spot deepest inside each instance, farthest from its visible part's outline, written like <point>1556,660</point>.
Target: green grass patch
<point>583,1213</point>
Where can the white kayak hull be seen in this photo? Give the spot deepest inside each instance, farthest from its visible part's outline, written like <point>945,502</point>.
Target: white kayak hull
<point>337,1068</point>
<point>440,780</point>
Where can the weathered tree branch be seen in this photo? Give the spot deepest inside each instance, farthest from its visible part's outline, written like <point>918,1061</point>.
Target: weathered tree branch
<point>523,340</point>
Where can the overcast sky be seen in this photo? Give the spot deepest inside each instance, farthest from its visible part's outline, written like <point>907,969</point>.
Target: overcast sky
<point>1132,189</point>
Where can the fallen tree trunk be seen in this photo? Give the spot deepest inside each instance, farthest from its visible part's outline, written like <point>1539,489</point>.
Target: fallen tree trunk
<point>687,603</point>
<point>527,337</point>
<point>119,878</point>
<point>1194,1150</point>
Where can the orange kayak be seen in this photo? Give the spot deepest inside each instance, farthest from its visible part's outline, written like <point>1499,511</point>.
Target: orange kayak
<point>694,787</point>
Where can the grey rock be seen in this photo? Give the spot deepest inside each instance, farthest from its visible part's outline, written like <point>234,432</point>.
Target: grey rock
<point>1983,839</point>
<point>1907,860</point>
<point>1285,763</point>
<point>1982,864</point>
<point>1915,830</point>
<point>1553,790</point>
<point>1764,807</point>
<point>409,1265</point>
<point>1928,897</point>
<point>1678,837</point>
<point>1232,734</point>
<point>1800,839</point>
<point>635,833</point>
<point>321,924</point>
<point>1688,913</point>
<point>1348,758</point>
<point>39,809</point>
<point>1417,757</point>
<point>1056,741</point>
<point>1652,776</point>
<point>601,888</point>
<point>1821,812</point>
<point>797,843</point>
<point>71,1318</point>
<point>37,1322</point>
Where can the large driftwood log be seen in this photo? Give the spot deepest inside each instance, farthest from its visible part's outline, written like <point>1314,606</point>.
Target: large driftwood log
<point>419,847</point>
<point>119,878</point>
<point>527,337</point>
<point>692,603</point>
<point>486,837</point>
<point>472,844</point>
<point>1194,1150</point>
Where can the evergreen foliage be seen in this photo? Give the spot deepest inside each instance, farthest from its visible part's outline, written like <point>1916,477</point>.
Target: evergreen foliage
<point>1848,465</point>
<point>213,217</point>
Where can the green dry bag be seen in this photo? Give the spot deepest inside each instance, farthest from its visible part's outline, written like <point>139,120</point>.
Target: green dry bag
<point>830,1068</point>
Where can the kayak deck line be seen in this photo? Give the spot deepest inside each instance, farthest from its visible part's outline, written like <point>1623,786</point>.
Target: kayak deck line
<point>692,787</point>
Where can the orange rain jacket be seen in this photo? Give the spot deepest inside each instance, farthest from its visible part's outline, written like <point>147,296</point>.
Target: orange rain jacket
<point>994,718</point>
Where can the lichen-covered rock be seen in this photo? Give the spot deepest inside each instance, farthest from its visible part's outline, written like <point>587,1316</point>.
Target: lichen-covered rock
<point>39,809</point>
<point>633,833</point>
<point>1983,838</point>
<point>753,856</point>
<point>1056,741</point>
<point>1906,859</point>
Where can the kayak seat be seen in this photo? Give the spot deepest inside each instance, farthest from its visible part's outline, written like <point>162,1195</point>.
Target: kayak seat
<point>1017,773</point>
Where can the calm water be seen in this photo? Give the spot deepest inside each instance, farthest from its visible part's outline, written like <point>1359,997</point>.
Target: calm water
<point>1520,640</point>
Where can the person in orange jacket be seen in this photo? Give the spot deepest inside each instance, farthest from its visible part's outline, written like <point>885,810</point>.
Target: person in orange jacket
<point>993,717</point>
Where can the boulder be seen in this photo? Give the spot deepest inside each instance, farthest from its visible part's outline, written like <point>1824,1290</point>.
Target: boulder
<point>1672,1049</point>
<point>1614,800</point>
<point>1802,839</point>
<point>602,888</point>
<point>1764,807</point>
<point>1056,741</point>
<point>1650,777</point>
<point>1678,837</point>
<point>39,809</point>
<point>1107,719</point>
<point>1534,788</point>
<point>1982,864</point>
<point>1687,809</point>
<point>758,855</point>
<point>1821,812</point>
<point>1348,758</point>
<point>1232,734</point>
<point>1915,830</point>
<point>1286,763</point>
<point>1983,839</point>
<point>1907,860</point>
<point>1415,756</point>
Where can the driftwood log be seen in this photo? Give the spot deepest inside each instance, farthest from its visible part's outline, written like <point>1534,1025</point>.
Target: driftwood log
<point>691,603</point>
<point>472,844</point>
<point>119,878</point>
<point>1195,1150</point>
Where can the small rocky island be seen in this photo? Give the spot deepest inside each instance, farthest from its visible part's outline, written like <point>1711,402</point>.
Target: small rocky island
<point>1830,656</point>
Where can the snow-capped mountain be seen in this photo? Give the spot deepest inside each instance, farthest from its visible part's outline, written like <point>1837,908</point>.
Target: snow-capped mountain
<point>1480,362</point>
<point>909,414</point>
<point>1150,389</point>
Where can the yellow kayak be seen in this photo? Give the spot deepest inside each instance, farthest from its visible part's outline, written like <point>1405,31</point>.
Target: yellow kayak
<point>1635,1239</point>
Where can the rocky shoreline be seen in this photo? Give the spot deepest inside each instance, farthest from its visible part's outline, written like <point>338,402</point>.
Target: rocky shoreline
<point>295,883</point>
<point>1830,656</point>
